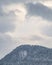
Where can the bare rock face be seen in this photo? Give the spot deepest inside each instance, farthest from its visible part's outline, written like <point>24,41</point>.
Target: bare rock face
<point>28,55</point>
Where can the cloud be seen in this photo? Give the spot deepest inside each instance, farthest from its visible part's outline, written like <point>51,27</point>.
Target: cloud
<point>6,21</point>
<point>1,11</point>
<point>47,30</point>
<point>6,25</point>
<point>39,9</point>
<point>7,43</point>
<point>19,1</point>
<point>5,2</point>
<point>36,38</point>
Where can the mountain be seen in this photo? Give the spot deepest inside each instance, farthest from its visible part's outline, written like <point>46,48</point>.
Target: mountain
<point>28,55</point>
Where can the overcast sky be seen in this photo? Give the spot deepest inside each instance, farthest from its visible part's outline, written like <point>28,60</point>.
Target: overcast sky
<point>25,22</point>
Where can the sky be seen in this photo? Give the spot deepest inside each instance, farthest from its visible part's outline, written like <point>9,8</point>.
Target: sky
<point>25,22</point>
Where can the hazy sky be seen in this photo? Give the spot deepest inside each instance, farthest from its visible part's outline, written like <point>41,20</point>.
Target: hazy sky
<point>25,22</point>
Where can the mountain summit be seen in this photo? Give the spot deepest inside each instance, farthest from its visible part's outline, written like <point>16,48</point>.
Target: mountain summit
<point>28,55</point>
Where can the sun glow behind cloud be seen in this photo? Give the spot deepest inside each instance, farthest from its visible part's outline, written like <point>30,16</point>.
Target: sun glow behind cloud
<point>18,9</point>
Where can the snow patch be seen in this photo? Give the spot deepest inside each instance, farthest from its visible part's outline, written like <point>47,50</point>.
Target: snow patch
<point>22,54</point>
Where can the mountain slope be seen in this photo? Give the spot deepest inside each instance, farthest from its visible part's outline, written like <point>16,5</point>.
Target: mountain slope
<point>28,55</point>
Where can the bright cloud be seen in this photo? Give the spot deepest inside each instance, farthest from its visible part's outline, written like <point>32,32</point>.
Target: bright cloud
<point>18,9</point>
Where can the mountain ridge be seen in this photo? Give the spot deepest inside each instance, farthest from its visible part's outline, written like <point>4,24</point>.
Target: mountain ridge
<point>29,55</point>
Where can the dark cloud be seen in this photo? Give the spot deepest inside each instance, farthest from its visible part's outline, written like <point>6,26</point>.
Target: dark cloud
<point>39,9</point>
<point>18,1</point>
<point>1,11</point>
<point>2,2</point>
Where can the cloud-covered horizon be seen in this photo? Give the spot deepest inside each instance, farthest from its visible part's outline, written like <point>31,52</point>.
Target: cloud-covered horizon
<point>25,22</point>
